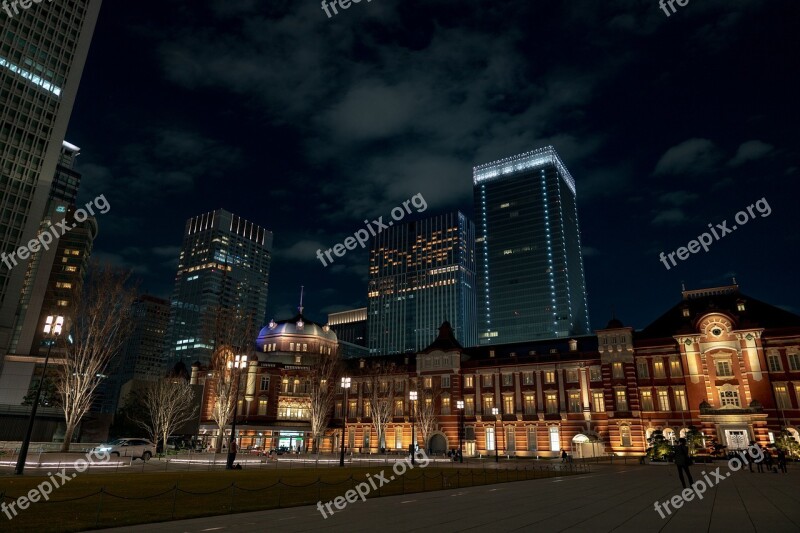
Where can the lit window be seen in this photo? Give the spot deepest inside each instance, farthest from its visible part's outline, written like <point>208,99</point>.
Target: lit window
<point>647,400</point>
<point>658,369</point>
<point>70,268</point>
<point>63,285</point>
<point>622,400</point>
<point>729,397</point>
<point>598,402</point>
<point>487,380</point>
<point>469,382</point>
<point>680,400</point>
<point>262,407</point>
<point>724,369</point>
<point>445,405</point>
<point>530,404</point>
<point>490,439</point>
<point>675,369</point>
<point>469,406</point>
<point>551,403</point>
<point>488,405</point>
<point>575,402</point>
<point>527,378</point>
<point>428,383</point>
<point>531,439</point>
<point>555,440</point>
<point>62,303</point>
<point>625,435</point>
<point>549,377</point>
<point>663,400</point>
<point>508,405</point>
<point>782,397</point>
<point>617,371</point>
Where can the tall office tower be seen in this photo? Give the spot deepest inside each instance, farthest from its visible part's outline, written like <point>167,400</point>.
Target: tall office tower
<point>531,283</point>
<point>420,275</point>
<point>53,277</point>
<point>224,264</point>
<point>351,329</point>
<point>42,53</point>
<point>141,358</point>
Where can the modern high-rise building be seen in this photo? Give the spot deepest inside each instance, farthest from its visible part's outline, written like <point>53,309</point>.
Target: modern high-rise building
<point>421,274</point>
<point>351,329</point>
<point>141,359</point>
<point>530,269</point>
<point>53,278</point>
<point>43,50</point>
<point>223,265</point>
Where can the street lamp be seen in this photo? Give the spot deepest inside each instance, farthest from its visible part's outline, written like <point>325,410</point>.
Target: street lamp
<point>239,363</point>
<point>460,407</point>
<point>412,395</point>
<point>52,328</point>
<point>346,387</point>
<point>495,411</point>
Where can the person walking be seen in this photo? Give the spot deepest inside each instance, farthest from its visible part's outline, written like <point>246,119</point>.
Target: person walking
<point>563,455</point>
<point>760,461</point>
<point>782,460</point>
<point>682,461</point>
<point>750,464</point>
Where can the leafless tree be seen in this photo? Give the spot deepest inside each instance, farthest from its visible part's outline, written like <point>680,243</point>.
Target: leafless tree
<point>426,416</point>
<point>233,334</point>
<point>99,325</point>
<point>170,403</point>
<point>380,397</point>
<point>322,374</point>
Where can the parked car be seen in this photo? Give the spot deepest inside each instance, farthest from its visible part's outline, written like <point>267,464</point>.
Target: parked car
<point>136,448</point>
<point>280,450</point>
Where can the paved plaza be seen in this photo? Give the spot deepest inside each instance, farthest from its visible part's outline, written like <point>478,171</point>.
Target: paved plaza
<point>610,498</point>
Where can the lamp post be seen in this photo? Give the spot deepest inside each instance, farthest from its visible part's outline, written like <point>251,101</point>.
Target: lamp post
<point>412,395</point>
<point>346,387</point>
<point>495,411</point>
<point>460,407</point>
<point>239,363</point>
<point>52,328</point>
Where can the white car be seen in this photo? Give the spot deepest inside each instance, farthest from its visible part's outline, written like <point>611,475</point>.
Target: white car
<point>136,448</point>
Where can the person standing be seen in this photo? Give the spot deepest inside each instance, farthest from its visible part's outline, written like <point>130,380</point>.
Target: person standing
<point>563,455</point>
<point>782,460</point>
<point>682,461</point>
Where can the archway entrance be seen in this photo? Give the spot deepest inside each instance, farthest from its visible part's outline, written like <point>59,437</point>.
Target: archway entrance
<point>437,443</point>
<point>583,446</point>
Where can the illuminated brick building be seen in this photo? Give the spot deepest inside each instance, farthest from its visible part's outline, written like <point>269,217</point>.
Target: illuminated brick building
<point>721,361</point>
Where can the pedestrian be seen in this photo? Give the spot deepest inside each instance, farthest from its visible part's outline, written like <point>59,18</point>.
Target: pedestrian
<point>750,464</point>
<point>769,461</point>
<point>682,461</point>
<point>563,455</point>
<point>782,460</point>
<point>760,462</point>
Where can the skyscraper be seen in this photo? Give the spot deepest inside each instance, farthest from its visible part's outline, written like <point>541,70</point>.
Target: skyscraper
<point>531,281</point>
<point>53,278</point>
<point>42,53</point>
<point>421,274</point>
<point>224,264</point>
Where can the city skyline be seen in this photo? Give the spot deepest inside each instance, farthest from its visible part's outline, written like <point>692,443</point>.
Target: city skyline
<point>655,161</point>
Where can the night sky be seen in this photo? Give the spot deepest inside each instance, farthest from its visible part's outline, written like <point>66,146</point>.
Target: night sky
<point>307,125</point>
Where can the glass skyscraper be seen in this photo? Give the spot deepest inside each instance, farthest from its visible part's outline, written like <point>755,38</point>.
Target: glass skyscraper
<point>421,274</point>
<point>531,282</point>
<point>224,264</point>
<point>43,49</point>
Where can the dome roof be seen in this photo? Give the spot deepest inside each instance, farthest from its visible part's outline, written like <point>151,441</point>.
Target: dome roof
<point>615,323</point>
<point>298,326</point>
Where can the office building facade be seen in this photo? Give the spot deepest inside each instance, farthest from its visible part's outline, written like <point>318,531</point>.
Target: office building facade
<point>43,50</point>
<point>421,274</point>
<point>223,265</point>
<point>531,282</point>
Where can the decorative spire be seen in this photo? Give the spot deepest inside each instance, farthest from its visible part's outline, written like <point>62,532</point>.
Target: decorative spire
<point>683,286</point>
<point>300,307</point>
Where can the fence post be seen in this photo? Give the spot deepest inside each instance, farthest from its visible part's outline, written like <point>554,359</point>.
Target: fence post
<point>174,499</point>
<point>99,508</point>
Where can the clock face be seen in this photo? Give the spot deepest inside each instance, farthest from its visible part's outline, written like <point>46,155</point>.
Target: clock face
<point>716,332</point>
<point>300,324</point>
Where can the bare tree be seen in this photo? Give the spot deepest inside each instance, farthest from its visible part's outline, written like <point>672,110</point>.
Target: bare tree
<point>322,375</point>
<point>99,325</point>
<point>426,414</point>
<point>380,397</point>
<point>170,403</point>
<point>232,333</point>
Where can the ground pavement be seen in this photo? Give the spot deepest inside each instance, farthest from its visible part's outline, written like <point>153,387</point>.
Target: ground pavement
<point>610,498</point>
